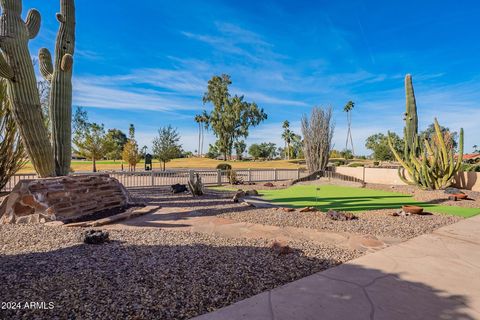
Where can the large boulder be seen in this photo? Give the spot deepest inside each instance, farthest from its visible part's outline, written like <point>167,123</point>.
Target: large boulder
<point>62,198</point>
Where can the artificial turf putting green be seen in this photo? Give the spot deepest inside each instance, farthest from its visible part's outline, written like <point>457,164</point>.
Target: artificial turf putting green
<point>353,199</point>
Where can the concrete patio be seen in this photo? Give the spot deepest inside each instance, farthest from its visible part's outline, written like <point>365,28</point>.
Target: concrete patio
<point>434,276</point>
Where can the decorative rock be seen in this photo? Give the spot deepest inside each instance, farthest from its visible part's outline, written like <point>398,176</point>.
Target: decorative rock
<point>178,188</point>
<point>281,248</point>
<point>252,192</point>
<point>412,209</point>
<point>95,236</point>
<point>240,194</point>
<point>401,213</point>
<point>288,209</point>
<point>268,184</point>
<point>340,216</point>
<point>452,190</point>
<point>452,198</point>
<point>308,209</point>
<point>61,198</point>
<point>460,196</point>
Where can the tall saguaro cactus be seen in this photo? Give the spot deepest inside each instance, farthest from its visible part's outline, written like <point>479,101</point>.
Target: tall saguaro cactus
<point>16,66</point>
<point>411,118</point>
<point>432,165</point>
<point>60,77</point>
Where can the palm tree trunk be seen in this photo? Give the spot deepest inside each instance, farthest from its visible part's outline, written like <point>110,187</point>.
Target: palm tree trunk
<point>199,138</point>
<point>94,165</point>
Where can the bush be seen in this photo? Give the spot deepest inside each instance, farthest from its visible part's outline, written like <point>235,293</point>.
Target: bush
<point>224,167</point>
<point>376,163</point>
<point>356,164</point>
<point>338,162</point>
<point>471,167</point>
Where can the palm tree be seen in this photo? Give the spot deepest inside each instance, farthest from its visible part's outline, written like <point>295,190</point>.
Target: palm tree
<point>287,136</point>
<point>475,148</point>
<point>198,119</point>
<point>348,109</point>
<point>203,123</point>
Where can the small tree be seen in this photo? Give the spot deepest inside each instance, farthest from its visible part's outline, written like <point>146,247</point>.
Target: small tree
<point>117,140</point>
<point>347,154</point>
<point>317,134</point>
<point>265,150</point>
<point>255,151</point>
<point>378,143</point>
<point>213,152</point>
<point>297,147</point>
<point>92,143</point>
<point>240,147</point>
<point>131,155</point>
<point>166,146</point>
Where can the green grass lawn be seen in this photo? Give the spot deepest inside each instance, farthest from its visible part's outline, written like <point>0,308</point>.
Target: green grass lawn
<point>353,200</point>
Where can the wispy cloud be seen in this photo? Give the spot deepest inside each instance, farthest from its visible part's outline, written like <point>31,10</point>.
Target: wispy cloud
<point>97,92</point>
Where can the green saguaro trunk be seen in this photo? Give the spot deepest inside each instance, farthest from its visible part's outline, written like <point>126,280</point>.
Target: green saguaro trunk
<point>60,77</point>
<point>16,66</point>
<point>430,165</point>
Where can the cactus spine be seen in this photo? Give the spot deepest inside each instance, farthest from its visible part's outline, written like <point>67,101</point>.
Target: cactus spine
<point>434,165</point>
<point>60,78</point>
<point>16,66</point>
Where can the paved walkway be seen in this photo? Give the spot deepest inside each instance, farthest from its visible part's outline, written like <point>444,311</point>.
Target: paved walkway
<point>184,219</point>
<point>434,276</point>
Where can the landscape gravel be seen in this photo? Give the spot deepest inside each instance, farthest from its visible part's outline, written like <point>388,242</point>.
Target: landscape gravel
<point>374,222</point>
<point>431,196</point>
<point>144,274</point>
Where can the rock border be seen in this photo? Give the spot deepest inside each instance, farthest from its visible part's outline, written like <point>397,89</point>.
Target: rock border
<point>115,218</point>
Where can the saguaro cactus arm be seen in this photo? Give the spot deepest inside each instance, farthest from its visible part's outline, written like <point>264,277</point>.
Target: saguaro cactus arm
<point>67,62</point>
<point>33,22</point>
<point>60,17</point>
<point>46,65</point>
<point>60,76</point>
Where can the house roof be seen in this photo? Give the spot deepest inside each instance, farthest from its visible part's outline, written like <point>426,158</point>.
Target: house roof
<point>470,156</point>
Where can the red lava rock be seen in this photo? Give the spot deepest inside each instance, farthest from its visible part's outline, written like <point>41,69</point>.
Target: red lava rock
<point>308,209</point>
<point>268,184</point>
<point>412,209</point>
<point>460,196</point>
<point>288,209</point>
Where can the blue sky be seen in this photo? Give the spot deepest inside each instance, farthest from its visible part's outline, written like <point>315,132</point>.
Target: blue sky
<point>148,62</point>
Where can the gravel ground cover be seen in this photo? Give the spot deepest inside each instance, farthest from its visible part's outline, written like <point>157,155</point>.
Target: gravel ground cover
<point>374,222</point>
<point>144,274</point>
<point>431,196</point>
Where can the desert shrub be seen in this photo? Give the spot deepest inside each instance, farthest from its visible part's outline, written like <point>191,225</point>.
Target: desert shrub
<point>224,167</point>
<point>355,164</point>
<point>470,167</point>
<point>376,163</point>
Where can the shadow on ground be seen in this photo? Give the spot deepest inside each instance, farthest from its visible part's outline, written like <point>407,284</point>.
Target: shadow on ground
<point>119,280</point>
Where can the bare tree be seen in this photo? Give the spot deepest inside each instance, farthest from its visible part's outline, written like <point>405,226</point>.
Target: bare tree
<point>317,132</point>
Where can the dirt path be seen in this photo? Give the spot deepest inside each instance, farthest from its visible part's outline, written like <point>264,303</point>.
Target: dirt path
<point>188,220</point>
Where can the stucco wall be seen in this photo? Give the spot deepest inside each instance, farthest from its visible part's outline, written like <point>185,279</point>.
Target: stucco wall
<point>464,180</point>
